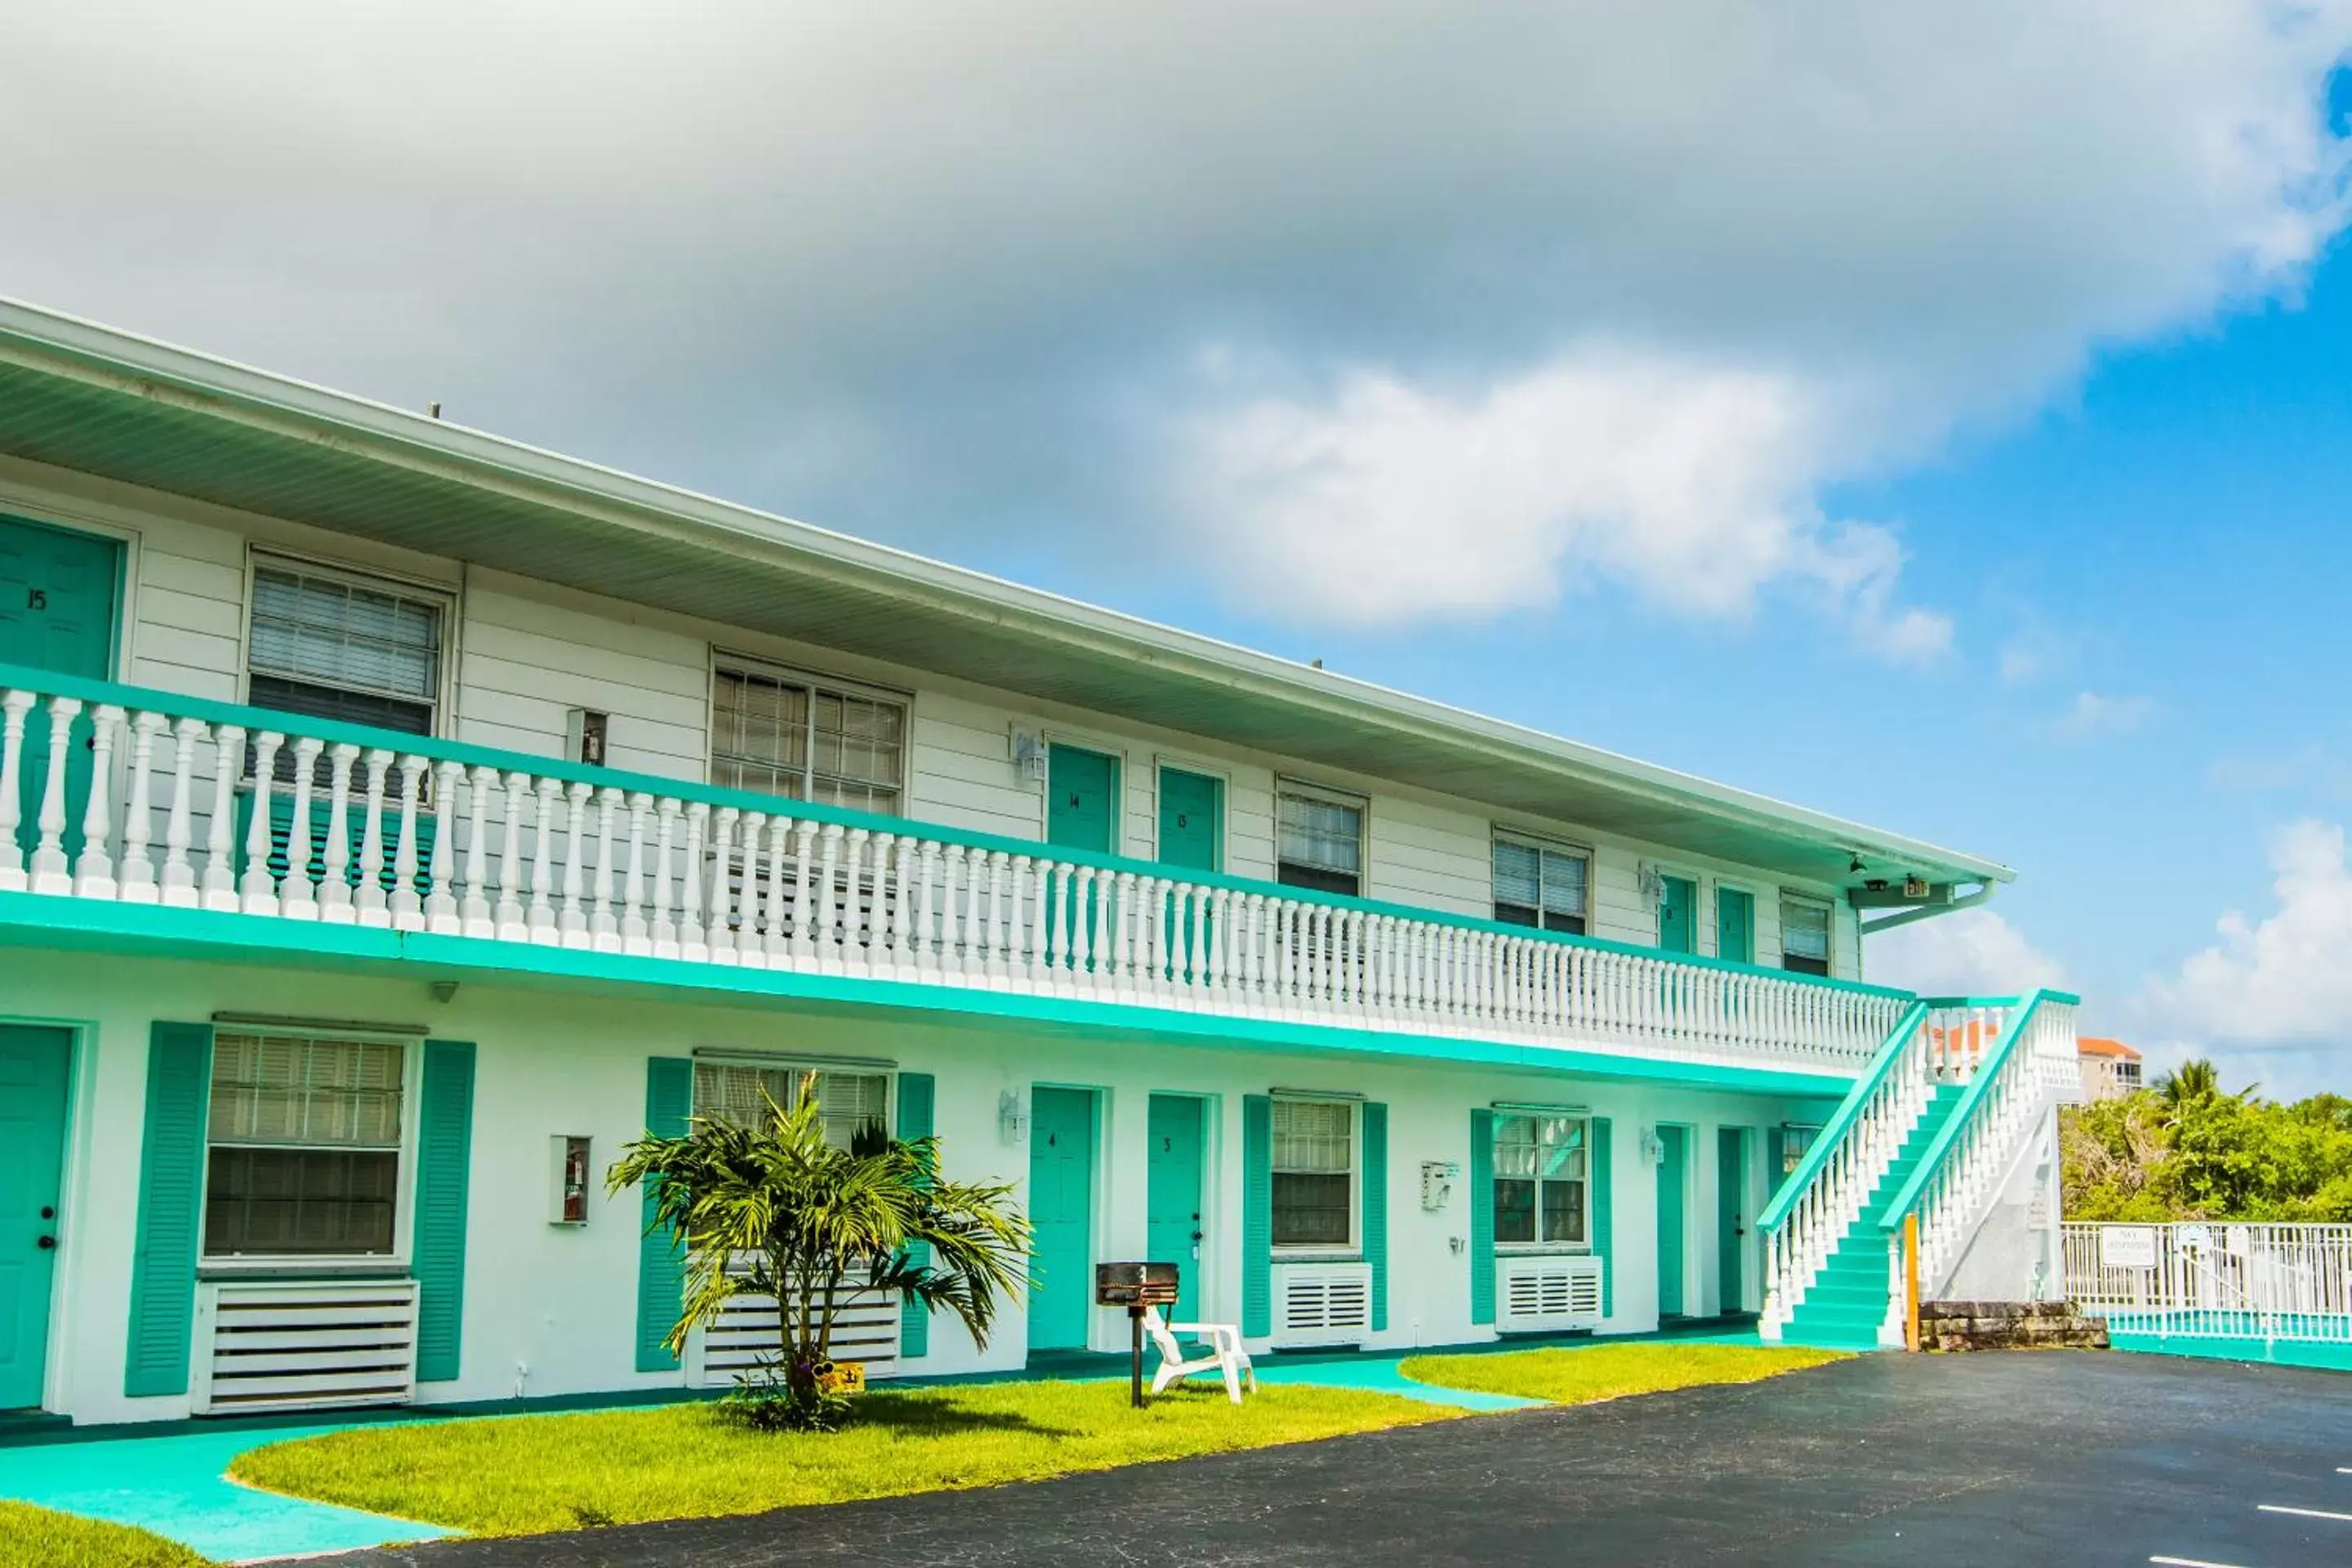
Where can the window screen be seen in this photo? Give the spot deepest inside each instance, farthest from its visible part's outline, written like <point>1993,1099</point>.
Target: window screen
<point>1804,936</point>
<point>1539,885</point>
<point>1314,1173</point>
<point>327,647</point>
<point>1319,842</point>
<point>1539,1179</point>
<point>727,1091</point>
<point>777,734</point>
<point>305,1146</point>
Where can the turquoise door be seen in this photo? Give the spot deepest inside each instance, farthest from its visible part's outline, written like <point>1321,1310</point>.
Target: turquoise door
<point>1172,1228</point>
<point>1731,1200</point>
<point>32,1151</point>
<point>1062,1211</point>
<point>1673,1173</point>
<point>1735,925</point>
<point>1081,797</point>
<point>1192,820</point>
<point>1678,915</point>
<point>57,592</point>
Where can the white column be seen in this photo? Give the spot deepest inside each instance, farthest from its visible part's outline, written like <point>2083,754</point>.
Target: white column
<point>637,934</point>
<point>477,909</point>
<point>179,827</point>
<point>13,705</point>
<point>691,937</point>
<point>546,792</point>
<point>372,903</point>
<point>335,886</point>
<point>51,874</point>
<point>513,924</point>
<point>756,890</point>
<point>138,871</point>
<point>665,814</point>
<point>603,929</point>
<point>298,898</point>
<point>573,921</point>
<point>94,867</point>
<point>830,952</point>
<point>780,866</point>
<point>927,941</point>
<point>407,909</point>
<point>718,934</point>
<point>805,901</point>
<point>441,907</point>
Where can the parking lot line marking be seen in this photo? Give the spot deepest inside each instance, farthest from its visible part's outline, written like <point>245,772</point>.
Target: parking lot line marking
<point>2302,1512</point>
<point>2190,1563</point>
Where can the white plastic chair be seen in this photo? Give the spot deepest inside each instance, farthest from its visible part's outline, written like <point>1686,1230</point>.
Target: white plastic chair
<point>1223,1340</point>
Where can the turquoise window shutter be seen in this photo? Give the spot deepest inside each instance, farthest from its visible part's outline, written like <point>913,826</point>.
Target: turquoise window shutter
<point>1482,1216</point>
<point>917,1092</point>
<point>661,1268</point>
<point>445,1160</point>
<point>171,1209</point>
<point>1257,1214</point>
<point>1603,1231</point>
<point>1376,1208</point>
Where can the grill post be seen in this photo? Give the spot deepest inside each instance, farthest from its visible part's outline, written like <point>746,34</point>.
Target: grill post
<point>1135,1364</point>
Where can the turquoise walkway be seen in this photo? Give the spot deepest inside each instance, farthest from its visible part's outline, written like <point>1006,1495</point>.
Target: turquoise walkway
<point>176,1485</point>
<point>174,1482</point>
<point>2278,1352</point>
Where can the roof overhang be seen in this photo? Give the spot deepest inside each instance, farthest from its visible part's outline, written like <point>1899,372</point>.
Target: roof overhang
<point>84,397</point>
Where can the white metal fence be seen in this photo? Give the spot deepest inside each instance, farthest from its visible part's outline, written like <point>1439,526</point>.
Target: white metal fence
<point>2215,1280</point>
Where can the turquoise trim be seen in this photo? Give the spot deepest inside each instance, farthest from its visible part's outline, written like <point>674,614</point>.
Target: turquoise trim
<point>1376,1208</point>
<point>1257,1214</point>
<point>550,767</point>
<point>661,1260</point>
<point>1890,1218</point>
<point>171,1210</point>
<point>38,921</point>
<point>1842,1121</point>
<point>1481,1167</point>
<point>445,1158</point>
<point>918,1095</point>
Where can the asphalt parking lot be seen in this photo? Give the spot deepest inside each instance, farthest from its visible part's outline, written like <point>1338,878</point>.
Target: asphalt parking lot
<point>2054,1457</point>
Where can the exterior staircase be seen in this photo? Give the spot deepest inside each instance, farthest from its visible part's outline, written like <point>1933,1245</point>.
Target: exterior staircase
<point>1848,1300</point>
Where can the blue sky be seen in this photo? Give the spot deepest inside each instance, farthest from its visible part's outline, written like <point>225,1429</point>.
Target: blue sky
<point>1840,400</point>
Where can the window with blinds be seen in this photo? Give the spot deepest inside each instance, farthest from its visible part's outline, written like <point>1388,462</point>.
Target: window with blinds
<point>305,1143</point>
<point>1541,885</point>
<point>1319,839</point>
<point>1540,1186</point>
<point>1314,1170</point>
<point>1804,936</point>
<point>328,645</point>
<point>777,733</point>
<point>847,1100</point>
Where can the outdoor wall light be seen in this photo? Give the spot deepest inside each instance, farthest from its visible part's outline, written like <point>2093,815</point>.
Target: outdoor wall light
<point>1012,1118</point>
<point>1653,1148</point>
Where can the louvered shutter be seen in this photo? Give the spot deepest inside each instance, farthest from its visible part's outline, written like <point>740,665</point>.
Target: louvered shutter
<point>445,1155</point>
<point>170,1214</point>
<point>1482,1216</point>
<point>916,1094</point>
<point>661,1263</point>
<point>1376,1208</point>
<point>1257,1214</point>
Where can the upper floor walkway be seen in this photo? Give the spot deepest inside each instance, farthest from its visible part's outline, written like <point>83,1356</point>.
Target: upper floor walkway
<point>380,846</point>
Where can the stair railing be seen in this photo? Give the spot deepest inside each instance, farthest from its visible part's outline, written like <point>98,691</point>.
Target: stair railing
<point>2030,1065</point>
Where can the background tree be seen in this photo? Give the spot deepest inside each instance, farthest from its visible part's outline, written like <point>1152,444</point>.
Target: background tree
<point>771,1208</point>
<point>2185,1149</point>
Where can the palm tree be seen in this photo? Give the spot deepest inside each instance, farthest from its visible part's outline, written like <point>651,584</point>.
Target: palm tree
<point>772,1209</point>
<point>2188,1083</point>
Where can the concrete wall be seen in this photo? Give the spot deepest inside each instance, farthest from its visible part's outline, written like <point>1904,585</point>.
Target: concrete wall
<point>2016,1256</point>
<point>551,1310</point>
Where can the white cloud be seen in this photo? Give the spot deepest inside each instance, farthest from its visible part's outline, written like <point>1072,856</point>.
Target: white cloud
<point>2282,981</point>
<point>1464,306</point>
<point>1971,952</point>
<point>2094,717</point>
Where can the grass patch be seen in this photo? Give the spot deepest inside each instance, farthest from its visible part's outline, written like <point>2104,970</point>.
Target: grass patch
<point>1580,1374</point>
<point>519,1474</point>
<point>38,1538</point>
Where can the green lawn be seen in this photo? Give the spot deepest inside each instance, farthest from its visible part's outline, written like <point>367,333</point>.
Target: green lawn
<point>521,1474</point>
<point>36,1538</point>
<point>1580,1374</point>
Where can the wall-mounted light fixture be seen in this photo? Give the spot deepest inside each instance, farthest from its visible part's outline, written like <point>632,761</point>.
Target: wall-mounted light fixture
<point>1653,1148</point>
<point>573,1176</point>
<point>1011,1119</point>
<point>1029,755</point>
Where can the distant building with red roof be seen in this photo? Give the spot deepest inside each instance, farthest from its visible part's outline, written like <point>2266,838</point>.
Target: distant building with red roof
<point>2110,1068</point>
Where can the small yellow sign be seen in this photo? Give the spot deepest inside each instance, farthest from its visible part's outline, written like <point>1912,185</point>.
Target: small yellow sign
<point>842,1377</point>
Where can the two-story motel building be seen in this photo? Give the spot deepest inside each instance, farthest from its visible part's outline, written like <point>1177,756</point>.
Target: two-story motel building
<point>437,813</point>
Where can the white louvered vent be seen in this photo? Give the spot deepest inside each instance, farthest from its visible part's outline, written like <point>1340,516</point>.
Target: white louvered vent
<point>864,1328</point>
<point>287,1345</point>
<point>1322,1303</point>
<point>1548,1293</point>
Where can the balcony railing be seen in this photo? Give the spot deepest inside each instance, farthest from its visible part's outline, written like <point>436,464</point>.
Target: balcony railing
<point>374,828</point>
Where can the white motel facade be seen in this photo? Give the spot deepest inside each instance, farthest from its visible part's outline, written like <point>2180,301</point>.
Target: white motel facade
<point>396,820</point>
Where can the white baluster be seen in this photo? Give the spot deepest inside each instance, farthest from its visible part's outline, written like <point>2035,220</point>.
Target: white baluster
<point>138,871</point>
<point>826,915</point>
<point>855,953</point>
<point>51,874</point>
<point>179,826</point>
<point>750,947</point>
<point>806,904</point>
<point>571,923</point>
<point>927,952</point>
<point>975,930</point>
<point>781,830</point>
<point>13,705</point>
<point>94,867</point>
<point>405,909</point>
<point>603,929</point>
<point>1029,912</point>
<point>664,930</point>
<point>693,937</point>
<point>636,934</point>
<point>478,910</point>
<point>1086,970</point>
<point>297,898</point>
<point>514,924</point>
<point>719,934</point>
<point>992,921</point>
<point>335,884</point>
<point>548,793</point>
<point>441,907</point>
<point>372,904</point>
<point>889,901</point>
<point>258,894</point>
